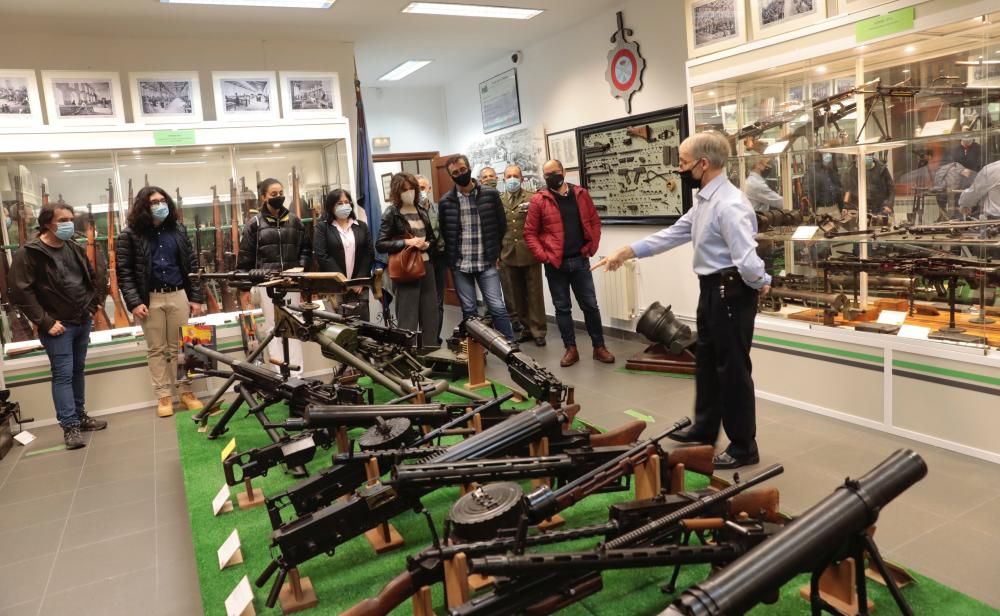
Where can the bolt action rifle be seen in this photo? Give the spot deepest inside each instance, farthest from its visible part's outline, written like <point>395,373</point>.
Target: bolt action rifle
<point>121,314</point>
<point>234,238</point>
<point>21,328</point>
<point>180,206</point>
<point>211,299</point>
<point>228,294</point>
<point>321,532</point>
<point>101,320</point>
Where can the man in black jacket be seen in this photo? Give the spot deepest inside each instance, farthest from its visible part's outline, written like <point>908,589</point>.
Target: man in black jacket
<point>275,239</point>
<point>53,285</point>
<point>473,224</point>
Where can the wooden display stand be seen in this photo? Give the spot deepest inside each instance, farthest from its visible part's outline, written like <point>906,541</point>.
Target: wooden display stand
<point>647,477</point>
<point>899,575</point>
<point>456,580</point>
<point>836,587</point>
<point>477,365</point>
<point>343,443</point>
<point>658,359</point>
<point>422,602</point>
<point>297,594</point>
<point>538,449</point>
<point>384,537</point>
<point>252,497</point>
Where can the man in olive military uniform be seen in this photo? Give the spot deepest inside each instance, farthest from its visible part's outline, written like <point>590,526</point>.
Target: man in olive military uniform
<point>521,275</point>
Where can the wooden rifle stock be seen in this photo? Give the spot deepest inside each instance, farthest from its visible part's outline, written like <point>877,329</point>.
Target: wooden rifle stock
<point>211,301</point>
<point>228,299</point>
<point>121,314</point>
<point>296,197</point>
<point>697,459</point>
<point>760,503</point>
<point>180,207</point>
<point>392,595</point>
<point>234,236</point>
<point>625,435</point>
<point>101,320</point>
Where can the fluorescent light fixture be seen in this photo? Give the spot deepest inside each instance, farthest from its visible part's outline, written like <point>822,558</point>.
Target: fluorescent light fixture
<point>287,4</point>
<point>820,69</point>
<point>976,62</point>
<point>404,69</point>
<point>263,158</point>
<point>87,170</point>
<point>470,10</point>
<point>54,155</point>
<point>193,162</point>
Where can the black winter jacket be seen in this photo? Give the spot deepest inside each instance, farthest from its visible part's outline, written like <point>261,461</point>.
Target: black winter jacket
<point>492,222</point>
<point>134,255</point>
<point>330,249</point>
<point>37,286</point>
<point>274,243</point>
<point>395,227</point>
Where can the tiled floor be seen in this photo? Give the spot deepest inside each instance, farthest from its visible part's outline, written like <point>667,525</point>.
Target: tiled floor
<point>104,530</point>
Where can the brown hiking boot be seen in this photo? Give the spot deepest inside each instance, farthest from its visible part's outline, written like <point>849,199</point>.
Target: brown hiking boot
<point>570,358</point>
<point>603,355</point>
<point>191,401</point>
<point>165,407</point>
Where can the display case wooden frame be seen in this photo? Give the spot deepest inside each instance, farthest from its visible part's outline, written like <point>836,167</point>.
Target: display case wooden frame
<point>649,169</point>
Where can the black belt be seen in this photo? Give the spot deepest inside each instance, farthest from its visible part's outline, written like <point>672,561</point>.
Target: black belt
<point>717,275</point>
<point>166,289</point>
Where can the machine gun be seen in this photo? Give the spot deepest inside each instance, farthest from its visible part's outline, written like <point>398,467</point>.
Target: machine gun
<point>321,532</point>
<point>427,567</point>
<point>554,590</point>
<point>536,380</point>
<point>348,472</point>
<point>254,380</point>
<point>307,282</point>
<point>832,529</point>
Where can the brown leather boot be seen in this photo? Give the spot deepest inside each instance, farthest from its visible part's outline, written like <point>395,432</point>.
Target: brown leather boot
<point>191,402</point>
<point>165,407</point>
<point>603,355</point>
<point>570,358</point>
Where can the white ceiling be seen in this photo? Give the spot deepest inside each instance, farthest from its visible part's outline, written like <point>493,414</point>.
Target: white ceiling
<point>383,36</point>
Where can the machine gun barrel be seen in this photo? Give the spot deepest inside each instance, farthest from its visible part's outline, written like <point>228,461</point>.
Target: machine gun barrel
<point>632,558</point>
<point>435,475</point>
<point>334,416</point>
<point>539,383</point>
<point>327,282</point>
<point>807,543</point>
<point>543,502</point>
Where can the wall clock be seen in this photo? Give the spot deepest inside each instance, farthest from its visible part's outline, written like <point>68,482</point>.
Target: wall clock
<point>625,65</point>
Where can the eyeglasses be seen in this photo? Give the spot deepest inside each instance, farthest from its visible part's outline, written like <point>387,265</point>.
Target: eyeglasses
<point>155,203</point>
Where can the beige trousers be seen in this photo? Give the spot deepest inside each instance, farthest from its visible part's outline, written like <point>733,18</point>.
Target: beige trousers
<point>162,329</point>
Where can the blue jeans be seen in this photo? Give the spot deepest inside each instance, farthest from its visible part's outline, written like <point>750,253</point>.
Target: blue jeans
<point>574,273</point>
<point>68,355</point>
<point>489,285</point>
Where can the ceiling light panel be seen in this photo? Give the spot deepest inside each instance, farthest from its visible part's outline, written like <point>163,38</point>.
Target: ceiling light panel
<point>470,10</point>
<point>406,68</point>
<point>288,4</point>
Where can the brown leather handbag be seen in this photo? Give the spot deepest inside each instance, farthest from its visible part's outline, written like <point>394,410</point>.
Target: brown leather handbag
<point>407,265</point>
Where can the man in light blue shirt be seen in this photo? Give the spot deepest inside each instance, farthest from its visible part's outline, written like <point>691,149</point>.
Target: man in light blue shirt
<point>984,194</point>
<point>761,196</point>
<point>721,225</point>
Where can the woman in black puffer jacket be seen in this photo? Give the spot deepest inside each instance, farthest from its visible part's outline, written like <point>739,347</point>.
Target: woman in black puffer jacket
<point>154,262</point>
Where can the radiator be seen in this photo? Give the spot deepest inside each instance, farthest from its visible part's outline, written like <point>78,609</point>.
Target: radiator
<point>619,291</point>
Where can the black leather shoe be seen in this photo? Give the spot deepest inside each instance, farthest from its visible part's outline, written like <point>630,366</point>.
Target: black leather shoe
<point>540,341</point>
<point>688,435</point>
<point>726,461</point>
<point>524,336</point>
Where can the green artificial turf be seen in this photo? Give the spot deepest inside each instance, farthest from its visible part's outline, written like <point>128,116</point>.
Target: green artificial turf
<point>355,572</point>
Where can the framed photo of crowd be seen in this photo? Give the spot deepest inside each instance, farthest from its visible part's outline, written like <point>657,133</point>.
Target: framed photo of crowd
<point>714,25</point>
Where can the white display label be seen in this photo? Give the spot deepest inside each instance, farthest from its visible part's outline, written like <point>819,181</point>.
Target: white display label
<point>892,317</point>
<point>238,601</point>
<point>24,437</point>
<point>220,500</point>
<point>914,331</point>
<point>805,232</point>
<point>229,549</point>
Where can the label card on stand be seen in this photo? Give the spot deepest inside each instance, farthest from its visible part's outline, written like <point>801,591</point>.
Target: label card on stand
<point>240,601</point>
<point>230,553</point>
<point>221,502</point>
<point>228,449</point>
<point>914,331</point>
<point>24,437</point>
<point>805,232</point>
<point>892,317</point>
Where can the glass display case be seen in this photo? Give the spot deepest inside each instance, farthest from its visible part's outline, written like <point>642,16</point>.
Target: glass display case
<point>875,176</point>
<point>214,185</point>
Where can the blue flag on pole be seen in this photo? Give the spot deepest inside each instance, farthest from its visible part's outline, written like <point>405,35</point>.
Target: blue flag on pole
<point>367,192</point>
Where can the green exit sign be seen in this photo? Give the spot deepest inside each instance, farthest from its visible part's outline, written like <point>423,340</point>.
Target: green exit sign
<point>184,136</point>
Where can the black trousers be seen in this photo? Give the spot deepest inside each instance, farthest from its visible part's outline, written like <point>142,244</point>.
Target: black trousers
<point>724,392</point>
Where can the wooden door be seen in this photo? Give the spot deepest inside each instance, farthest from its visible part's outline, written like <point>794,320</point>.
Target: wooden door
<point>442,184</point>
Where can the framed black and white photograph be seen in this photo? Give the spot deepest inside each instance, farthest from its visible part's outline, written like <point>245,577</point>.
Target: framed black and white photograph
<point>499,101</point>
<point>853,6</point>
<point>83,98</point>
<point>561,146</point>
<point>773,17</point>
<point>819,90</point>
<point>842,84</point>
<point>19,101</point>
<point>631,167</point>
<point>246,96</point>
<point>310,95</point>
<point>714,25</point>
<point>983,75</point>
<point>165,98</point>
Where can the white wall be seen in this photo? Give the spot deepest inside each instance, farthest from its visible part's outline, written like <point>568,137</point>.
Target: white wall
<point>412,118</point>
<point>562,86</point>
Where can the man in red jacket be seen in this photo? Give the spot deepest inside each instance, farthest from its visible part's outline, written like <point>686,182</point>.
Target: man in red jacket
<point>563,231</point>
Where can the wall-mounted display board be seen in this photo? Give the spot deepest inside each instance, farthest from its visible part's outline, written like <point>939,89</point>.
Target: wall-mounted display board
<point>630,166</point>
<point>498,98</point>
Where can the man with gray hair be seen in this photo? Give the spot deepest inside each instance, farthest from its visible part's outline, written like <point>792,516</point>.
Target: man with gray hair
<point>760,195</point>
<point>721,225</point>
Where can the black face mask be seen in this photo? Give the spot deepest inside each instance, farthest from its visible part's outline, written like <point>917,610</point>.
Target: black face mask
<point>554,181</point>
<point>462,179</point>
<point>688,181</point>
<point>276,202</point>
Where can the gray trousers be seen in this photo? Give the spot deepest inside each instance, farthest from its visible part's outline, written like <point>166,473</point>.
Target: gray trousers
<point>416,307</point>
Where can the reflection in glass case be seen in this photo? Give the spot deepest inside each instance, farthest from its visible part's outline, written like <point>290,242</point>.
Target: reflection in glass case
<point>875,177</point>
<point>214,186</point>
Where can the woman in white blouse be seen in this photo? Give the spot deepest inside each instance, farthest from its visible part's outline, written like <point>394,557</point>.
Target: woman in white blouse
<point>342,243</point>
